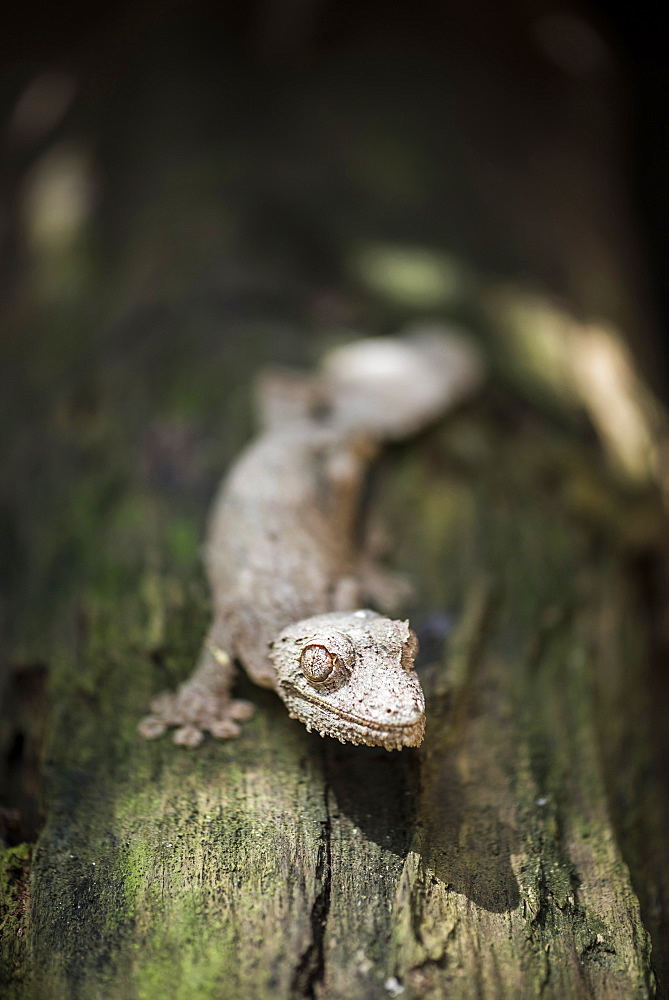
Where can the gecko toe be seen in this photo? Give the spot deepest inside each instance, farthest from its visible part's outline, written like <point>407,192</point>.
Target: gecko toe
<point>241,710</point>
<point>163,704</point>
<point>151,727</point>
<point>224,729</point>
<point>188,736</point>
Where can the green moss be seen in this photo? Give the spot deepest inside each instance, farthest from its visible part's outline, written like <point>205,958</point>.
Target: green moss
<point>15,971</point>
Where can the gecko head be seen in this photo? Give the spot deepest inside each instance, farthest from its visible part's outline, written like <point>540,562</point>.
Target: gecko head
<point>349,674</point>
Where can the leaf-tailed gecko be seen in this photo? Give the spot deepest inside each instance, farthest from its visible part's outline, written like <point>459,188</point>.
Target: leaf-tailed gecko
<point>288,578</point>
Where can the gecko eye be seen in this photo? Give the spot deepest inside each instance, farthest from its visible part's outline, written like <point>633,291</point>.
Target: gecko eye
<point>410,650</point>
<point>317,663</point>
<point>327,668</point>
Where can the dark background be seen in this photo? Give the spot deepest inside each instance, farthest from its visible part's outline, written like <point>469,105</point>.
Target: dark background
<point>104,44</point>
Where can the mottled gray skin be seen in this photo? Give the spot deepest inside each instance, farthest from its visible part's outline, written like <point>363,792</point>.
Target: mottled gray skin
<point>281,538</point>
<point>289,576</point>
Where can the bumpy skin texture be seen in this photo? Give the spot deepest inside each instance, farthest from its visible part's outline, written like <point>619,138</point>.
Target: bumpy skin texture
<point>350,675</point>
<point>287,574</point>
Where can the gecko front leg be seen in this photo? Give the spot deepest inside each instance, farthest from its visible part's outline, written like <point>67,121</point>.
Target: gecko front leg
<point>203,702</point>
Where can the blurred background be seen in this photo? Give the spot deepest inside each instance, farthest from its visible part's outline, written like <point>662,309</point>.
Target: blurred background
<point>338,145</point>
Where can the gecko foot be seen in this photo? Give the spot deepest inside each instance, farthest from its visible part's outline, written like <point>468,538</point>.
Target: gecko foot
<point>195,710</point>
<point>200,705</point>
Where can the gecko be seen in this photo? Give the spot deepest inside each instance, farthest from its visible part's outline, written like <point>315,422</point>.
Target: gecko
<point>289,579</point>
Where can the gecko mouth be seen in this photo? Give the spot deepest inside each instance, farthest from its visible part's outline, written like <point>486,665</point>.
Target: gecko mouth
<point>372,732</point>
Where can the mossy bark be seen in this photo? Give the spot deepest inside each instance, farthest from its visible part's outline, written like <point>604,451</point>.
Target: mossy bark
<point>282,864</point>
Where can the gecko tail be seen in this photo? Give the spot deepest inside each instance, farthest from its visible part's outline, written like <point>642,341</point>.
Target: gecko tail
<point>395,386</point>
<point>284,396</point>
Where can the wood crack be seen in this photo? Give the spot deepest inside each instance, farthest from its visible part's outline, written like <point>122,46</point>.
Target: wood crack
<point>311,967</point>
